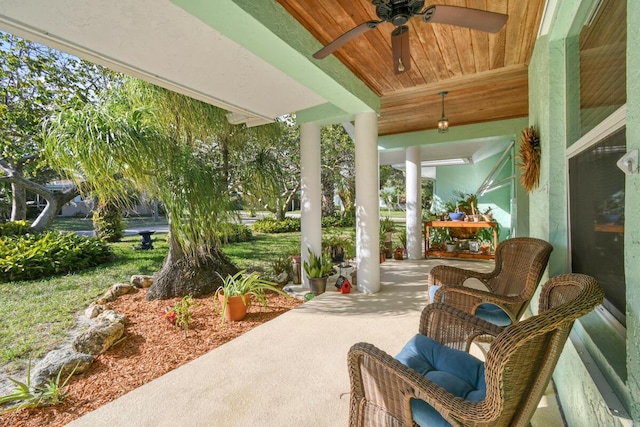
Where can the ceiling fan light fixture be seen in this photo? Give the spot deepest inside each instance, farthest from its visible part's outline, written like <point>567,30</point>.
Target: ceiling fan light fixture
<point>443,123</point>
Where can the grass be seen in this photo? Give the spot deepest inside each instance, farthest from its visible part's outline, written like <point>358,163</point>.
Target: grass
<point>35,316</point>
<point>264,248</point>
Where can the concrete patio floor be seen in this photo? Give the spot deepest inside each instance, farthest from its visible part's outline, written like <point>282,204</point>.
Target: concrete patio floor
<point>292,370</point>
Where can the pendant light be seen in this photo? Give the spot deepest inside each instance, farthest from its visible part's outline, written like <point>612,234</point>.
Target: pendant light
<point>443,123</point>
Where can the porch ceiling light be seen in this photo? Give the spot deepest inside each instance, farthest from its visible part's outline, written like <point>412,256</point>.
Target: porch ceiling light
<point>443,123</point>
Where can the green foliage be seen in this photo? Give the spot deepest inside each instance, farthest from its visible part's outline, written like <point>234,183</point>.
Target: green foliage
<point>388,225</point>
<point>440,235</point>
<point>14,228</point>
<point>243,285</point>
<point>339,221</point>
<point>107,222</point>
<point>281,264</point>
<point>34,256</point>
<point>234,233</point>
<point>403,238</point>
<point>180,314</point>
<point>333,242</point>
<point>270,225</point>
<point>52,393</point>
<point>317,266</point>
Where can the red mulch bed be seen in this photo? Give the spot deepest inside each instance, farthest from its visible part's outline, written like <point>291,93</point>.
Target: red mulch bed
<point>152,347</point>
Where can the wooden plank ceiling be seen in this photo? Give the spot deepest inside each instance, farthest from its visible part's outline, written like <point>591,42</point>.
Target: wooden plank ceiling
<point>485,74</point>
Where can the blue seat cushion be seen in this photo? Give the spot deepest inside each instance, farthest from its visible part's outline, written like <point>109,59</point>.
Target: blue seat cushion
<point>487,311</point>
<point>456,371</point>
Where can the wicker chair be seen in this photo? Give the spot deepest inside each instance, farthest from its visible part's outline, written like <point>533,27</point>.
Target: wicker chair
<point>517,370</point>
<point>519,265</point>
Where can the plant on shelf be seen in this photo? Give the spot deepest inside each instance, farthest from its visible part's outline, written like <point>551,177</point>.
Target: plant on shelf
<point>485,236</point>
<point>439,237</point>
<point>488,216</point>
<point>234,295</point>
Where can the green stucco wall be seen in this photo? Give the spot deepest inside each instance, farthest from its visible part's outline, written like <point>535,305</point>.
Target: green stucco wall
<point>632,209</point>
<point>547,204</point>
<point>467,178</point>
<point>553,95</point>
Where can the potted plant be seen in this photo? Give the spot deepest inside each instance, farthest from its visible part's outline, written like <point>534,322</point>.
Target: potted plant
<point>317,268</point>
<point>388,226</point>
<point>438,237</point>
<point>338,247</point>
<point>487,215</point>
<point>234,295</point>
<point>403,241</point>
<point>451,246</point>
<point>382,241</point>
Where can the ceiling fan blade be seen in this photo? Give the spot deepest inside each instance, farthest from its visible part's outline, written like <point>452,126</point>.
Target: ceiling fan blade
<point>346,37</point>
<point>401,49</point>
<point>475,19</point>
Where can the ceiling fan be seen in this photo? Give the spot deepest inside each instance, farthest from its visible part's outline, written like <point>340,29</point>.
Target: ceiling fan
<point>398,12</point>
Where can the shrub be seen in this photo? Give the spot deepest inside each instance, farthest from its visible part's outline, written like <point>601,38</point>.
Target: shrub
<point>14,228</point>
<point>270,225</point>
<point>235,233</point>
<point>339,221</point>
<point>34,256</point>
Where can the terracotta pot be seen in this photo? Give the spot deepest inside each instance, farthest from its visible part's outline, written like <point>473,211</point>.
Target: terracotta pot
<point>236,308</point>
<point>383,257</point>
<point>317,285</point>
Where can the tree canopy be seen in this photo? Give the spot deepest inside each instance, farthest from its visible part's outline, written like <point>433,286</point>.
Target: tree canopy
<point>169,146</point>
<point>37,81</point>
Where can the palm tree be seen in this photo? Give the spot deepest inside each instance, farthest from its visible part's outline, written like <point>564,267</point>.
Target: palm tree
<point>158,142</point>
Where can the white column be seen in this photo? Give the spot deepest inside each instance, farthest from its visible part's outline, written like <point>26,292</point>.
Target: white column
<point>310,193</point>
<point>367,205</point>
<point>414,202</point>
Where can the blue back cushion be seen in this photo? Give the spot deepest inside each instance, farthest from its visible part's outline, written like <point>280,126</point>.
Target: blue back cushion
<point>487,311</point>
<point>456,371</point>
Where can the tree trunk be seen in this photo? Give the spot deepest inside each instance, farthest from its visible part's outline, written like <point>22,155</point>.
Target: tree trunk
<point>328,207</point>
<point>19,185</point>
<point>181,276</point>
<point>18,202</point>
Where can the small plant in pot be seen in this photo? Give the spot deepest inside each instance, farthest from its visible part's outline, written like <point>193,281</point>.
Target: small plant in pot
<point>234,295</point>
<point>389,227</point>
<point>317,268</point>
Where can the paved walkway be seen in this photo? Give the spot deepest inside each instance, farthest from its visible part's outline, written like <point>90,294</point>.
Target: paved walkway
<point>292,370</point>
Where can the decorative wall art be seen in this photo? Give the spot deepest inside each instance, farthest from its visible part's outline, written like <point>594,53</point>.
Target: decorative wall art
<point>529,157</point>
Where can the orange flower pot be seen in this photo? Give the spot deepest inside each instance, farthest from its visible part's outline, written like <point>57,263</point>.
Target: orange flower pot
<point>236,308</point>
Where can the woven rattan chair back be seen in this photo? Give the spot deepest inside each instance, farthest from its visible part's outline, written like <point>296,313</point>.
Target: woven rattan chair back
<point>518,365</point>
<point>520,362</point>
<point>520,263</point>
